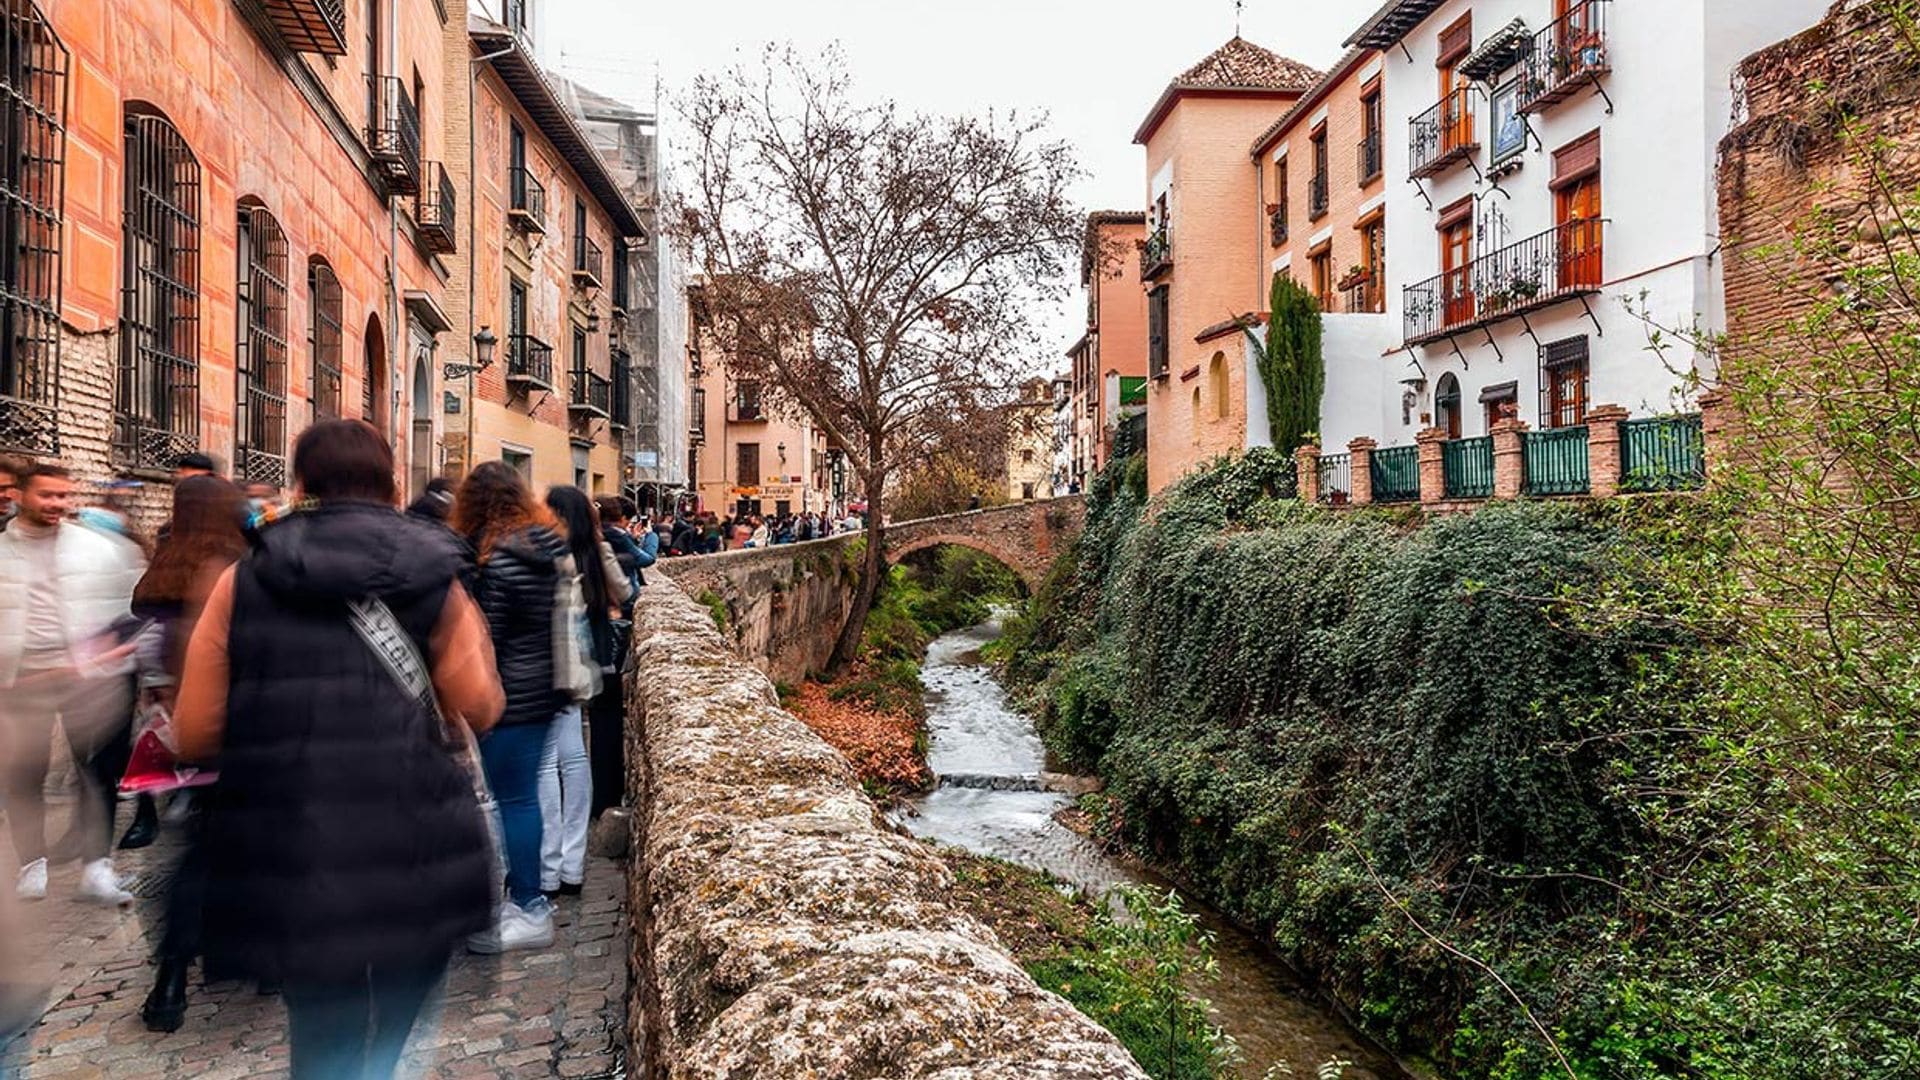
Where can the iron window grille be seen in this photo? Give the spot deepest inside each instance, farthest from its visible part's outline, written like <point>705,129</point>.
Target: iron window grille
<point>697,419</point>
<point>33,142</point>
<point>622,394</point>
<point>529,362</point>
<point>393,134</point>
<point>324,339</point>
<point>260,362</point>
<point>436,212</point>
<point>528,208</point>
<point>747,406</point>
<point>1563,382</point>
<point>157,392</point>
<point>1157,333</point>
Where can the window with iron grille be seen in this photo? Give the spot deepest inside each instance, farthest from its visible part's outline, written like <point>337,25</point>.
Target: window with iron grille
<point>1157,333</point>
<point>260,356</point>
<point>157,393</point>
<point>33,141</point>
<point>1563,382</point>
<point>323,339</point>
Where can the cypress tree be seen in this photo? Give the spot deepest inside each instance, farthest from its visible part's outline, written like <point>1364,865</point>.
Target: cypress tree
<point>1291,364</point>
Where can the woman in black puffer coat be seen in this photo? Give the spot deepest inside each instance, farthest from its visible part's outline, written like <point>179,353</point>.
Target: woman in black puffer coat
<point>520,561</point>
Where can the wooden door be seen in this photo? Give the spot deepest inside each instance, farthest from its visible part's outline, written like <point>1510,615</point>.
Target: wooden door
<point>1578,208</point>
<point>1456,119</point>
<point>1456,258</point>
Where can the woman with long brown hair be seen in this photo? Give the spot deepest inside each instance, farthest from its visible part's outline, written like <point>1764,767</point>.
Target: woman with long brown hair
<point>519,563</point>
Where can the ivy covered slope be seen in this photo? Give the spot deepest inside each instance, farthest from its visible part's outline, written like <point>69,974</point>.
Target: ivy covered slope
<point>1445,766</point>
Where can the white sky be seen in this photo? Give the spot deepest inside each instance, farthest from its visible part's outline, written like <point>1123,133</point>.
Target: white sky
<point>1093,66</point>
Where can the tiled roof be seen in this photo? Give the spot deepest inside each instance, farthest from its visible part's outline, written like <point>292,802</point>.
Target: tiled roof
<point>1312,97</point>
<point>1239,65</point>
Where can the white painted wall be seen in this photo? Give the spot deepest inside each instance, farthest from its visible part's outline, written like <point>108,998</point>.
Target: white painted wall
<point>1363,383</point>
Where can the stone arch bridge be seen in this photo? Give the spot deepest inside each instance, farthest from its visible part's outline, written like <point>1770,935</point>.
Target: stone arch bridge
<point>1027,536</point>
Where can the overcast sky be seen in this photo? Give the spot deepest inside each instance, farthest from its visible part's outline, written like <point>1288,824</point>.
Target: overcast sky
<point>1094,66</point>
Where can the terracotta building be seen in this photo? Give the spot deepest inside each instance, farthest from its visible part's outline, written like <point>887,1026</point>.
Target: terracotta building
<point>1030,442</point>
<point>1198,259</point>
<point>1109,362</point>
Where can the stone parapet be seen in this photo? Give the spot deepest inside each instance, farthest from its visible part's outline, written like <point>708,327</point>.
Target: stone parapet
<point>781,927</point>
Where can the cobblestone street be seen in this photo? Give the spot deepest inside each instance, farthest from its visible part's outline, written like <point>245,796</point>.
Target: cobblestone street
<point>556,1012</point>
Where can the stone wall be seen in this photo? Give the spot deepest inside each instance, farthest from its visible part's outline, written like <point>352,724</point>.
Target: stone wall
<point>781,927</point>
<point>784,605</point>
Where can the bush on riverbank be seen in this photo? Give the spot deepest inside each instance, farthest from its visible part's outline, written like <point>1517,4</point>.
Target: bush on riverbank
<point>1494,780</point>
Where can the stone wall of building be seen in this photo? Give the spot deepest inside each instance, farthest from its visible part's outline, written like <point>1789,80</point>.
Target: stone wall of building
<point>781,926</point>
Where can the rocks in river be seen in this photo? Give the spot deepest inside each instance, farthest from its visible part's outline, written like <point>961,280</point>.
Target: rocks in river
<point>978,782</point>
<point>1069,784</point>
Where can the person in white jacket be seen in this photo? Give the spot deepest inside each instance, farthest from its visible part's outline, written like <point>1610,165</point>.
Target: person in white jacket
<point>65,655</point>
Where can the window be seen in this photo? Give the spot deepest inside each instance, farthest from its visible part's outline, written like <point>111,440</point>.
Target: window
<point>746,400</point>
<point>1320,264</point>
<point>579,370</point>
<point>1456,261</point>
<point>1217,383</point>
<point>1277,221</point>
<point>323,339</point>
<point>32,155</point>
<point>1026,491</point>
<point>1317,188</point>
<point>1563,382</point>
<point>1500,402</point>
<point>746,464</point>
<point>1456,111</point>
<point>1026,457</point>
<point>157,395</point>
<point>1371,162</point>
<point>1446,404</point>
<point>1193,429</point>
<point>374,388</point>
<point>260,355</point>
<point>372,64</point>
<point>520,461</point>
<point>1576,188</point>
<point>1157,333</point>
<point>1370,294</point>
<point>516,309</point>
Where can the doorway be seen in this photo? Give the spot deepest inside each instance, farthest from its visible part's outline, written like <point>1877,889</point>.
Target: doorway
<point>421,463</point>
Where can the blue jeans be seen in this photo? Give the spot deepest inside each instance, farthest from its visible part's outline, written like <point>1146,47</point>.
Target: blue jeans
<point>510,756</point>
<point>357,1030</point>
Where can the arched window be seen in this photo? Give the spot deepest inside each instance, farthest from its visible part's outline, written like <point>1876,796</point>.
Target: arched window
<point>1446,405</point>
<point>33,97</point>
<point>1217,384</point>
<point>157,392</point>
<point>373,383</point>
<point>323,338</point>
<point>1194,427</point>
<point>260,357</point>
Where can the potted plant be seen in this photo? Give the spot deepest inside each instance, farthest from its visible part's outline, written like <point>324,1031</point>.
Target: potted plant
<point>1523,288</point>
<point>1355,275</point>
<point>1495,300</point>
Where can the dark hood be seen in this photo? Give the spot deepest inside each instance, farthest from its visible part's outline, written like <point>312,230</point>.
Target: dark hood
<point>351,550</point>
<point>538,547</point>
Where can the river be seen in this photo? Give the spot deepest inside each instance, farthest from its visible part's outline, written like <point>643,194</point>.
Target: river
<point>990,801</point>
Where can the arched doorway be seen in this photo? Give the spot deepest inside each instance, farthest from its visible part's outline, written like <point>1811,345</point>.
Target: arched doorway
<point>1446,405</point>
<point>376,397</point>
<point>420,448</point>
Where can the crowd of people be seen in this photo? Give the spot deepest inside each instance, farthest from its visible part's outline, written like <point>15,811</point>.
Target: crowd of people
<point>386,733</point>
<point>707,533</point>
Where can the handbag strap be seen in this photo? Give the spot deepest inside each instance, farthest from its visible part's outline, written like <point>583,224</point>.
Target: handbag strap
<point>390,643</point>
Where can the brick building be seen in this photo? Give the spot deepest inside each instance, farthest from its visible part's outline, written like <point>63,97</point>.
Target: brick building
<point>1109,362</point>
<point>1199,259</point>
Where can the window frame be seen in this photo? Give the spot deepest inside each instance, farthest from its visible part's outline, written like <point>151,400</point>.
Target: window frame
<point>262,349</point>
<point>33,144</point>
<point>157,387</point>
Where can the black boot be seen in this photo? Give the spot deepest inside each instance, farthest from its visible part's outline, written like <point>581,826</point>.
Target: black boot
<point>166,1006</point>
<point>146,825</point>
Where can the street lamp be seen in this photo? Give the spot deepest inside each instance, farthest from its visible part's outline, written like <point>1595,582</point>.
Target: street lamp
<point>483,343</point>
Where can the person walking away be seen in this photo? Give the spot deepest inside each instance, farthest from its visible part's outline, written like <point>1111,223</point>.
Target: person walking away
<point>520,560</point>
<point>435,505</point>
<point>204,540</point>
<point>66,654</point>
<point>330,673</point>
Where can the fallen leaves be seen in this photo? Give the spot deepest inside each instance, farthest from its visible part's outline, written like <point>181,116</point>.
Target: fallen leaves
<point>883,745</point>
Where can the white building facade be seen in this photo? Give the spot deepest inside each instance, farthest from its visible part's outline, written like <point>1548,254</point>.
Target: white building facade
<point>1551,176</point>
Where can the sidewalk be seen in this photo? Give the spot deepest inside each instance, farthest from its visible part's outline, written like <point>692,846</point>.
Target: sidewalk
<point>558,1012</point>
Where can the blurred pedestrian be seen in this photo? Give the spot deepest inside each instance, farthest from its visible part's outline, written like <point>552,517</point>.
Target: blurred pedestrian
<point>66,655</point>
<point>10,469</point>
<point>435,505</point>
<point>520,563</point>
<point>330,673</point>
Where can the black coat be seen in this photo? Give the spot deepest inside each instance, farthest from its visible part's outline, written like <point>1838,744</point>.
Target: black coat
<point>515,590</point>
<point>343,831</point>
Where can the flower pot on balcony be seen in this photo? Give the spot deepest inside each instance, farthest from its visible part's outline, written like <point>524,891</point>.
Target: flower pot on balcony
<point>1523,289</point>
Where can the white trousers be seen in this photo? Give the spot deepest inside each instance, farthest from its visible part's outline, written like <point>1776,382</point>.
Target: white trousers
<point>566,802</point>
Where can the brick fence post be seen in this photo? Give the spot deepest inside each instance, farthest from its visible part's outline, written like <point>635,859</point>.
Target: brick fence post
<point>1716,419</point>
<point>1306,470</point>
<point>1603,450</point>
<point>1509,463</point>
<point>1433,470</point>
<point>1360,466</point>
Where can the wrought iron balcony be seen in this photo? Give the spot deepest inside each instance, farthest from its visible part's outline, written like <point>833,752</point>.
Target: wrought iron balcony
<point>1156,257</point>
<point>435,212</point>
<point>590,394</point>
<point>1564,262</point>
<point>746,412</point>
<point>1442,135</point>
<point>310,26</point>
<point>1368,158</point>
<point>529,363</point>
<point>393,135</point>
<point>1277,226</point>
<point>1364,297</point>
<point>527,201</point>
<point>1567,55</point>
<point>1317,197</point>
<point>589,263</point>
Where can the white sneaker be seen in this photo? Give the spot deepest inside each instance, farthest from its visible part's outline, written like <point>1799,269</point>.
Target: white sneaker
<point>99,885</point>
<point>32,883</point>
<point>530,927</point>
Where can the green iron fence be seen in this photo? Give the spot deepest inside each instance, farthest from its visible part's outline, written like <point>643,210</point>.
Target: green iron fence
<point>1556,461</point>
<point>1396,474</point>
<point>1468,464</point>
<point>1662,453</point>
<point>1336,479</point>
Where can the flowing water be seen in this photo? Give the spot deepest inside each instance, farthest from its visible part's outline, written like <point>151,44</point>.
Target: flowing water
<point>991,801</point>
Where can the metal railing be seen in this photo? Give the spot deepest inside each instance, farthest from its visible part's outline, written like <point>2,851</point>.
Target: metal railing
<point>1662,453</point>
<point>1442,135</point>
<point>528,199</point>
<point>529,361</point>
<point>589,392</point>
<point>1317,196</point>
<point>1277,226</point>
<point>1567,55</point>
<point>1364,297</point>
<point>1566,260</point>
<point>1157,255</point>
<point>589,262</point>
<point>1467,465</point>
<point>515,14</point>
<point>435,214</point>
<point>1556,461</point>
<point>697,418</point>
<point>1396,474</point>
<point>1336,479</point>
<point>1368,158</point>
<point>393,135</point>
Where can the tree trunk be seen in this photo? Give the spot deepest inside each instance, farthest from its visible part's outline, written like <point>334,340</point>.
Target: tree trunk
<point>846,650</point>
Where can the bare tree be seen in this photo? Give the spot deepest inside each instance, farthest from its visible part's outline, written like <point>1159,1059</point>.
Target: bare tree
<point>886,270</point>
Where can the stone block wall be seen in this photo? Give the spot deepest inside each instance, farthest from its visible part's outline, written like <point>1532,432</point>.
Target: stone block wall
<point>781,927</point>
<point>784,605</point>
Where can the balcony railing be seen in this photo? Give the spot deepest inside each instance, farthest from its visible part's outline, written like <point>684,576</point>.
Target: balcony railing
<point>529,362</point>
<point>1563,262</point>
<point>589,394</point>
<point>1556,461</point>
<point>697,419</point>
<point>1156,257</point>
<point>310,26</point>
<point>589,263</point>
<point>1336,479</point>
<point>1277,226</point>
<point>1368,157</point>
<point>1364,297</point>
<point>527,205</point>
<point>1662,453</point>
<point>1467,465</point>
<point>745,412</point>
<point>393,137</point>
<point>1396,474</point>
<point>1442,135</point>
<point>436,211</point>
<point>1567,55</point>
<point>1317,196</point>
<point>622,399</point>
